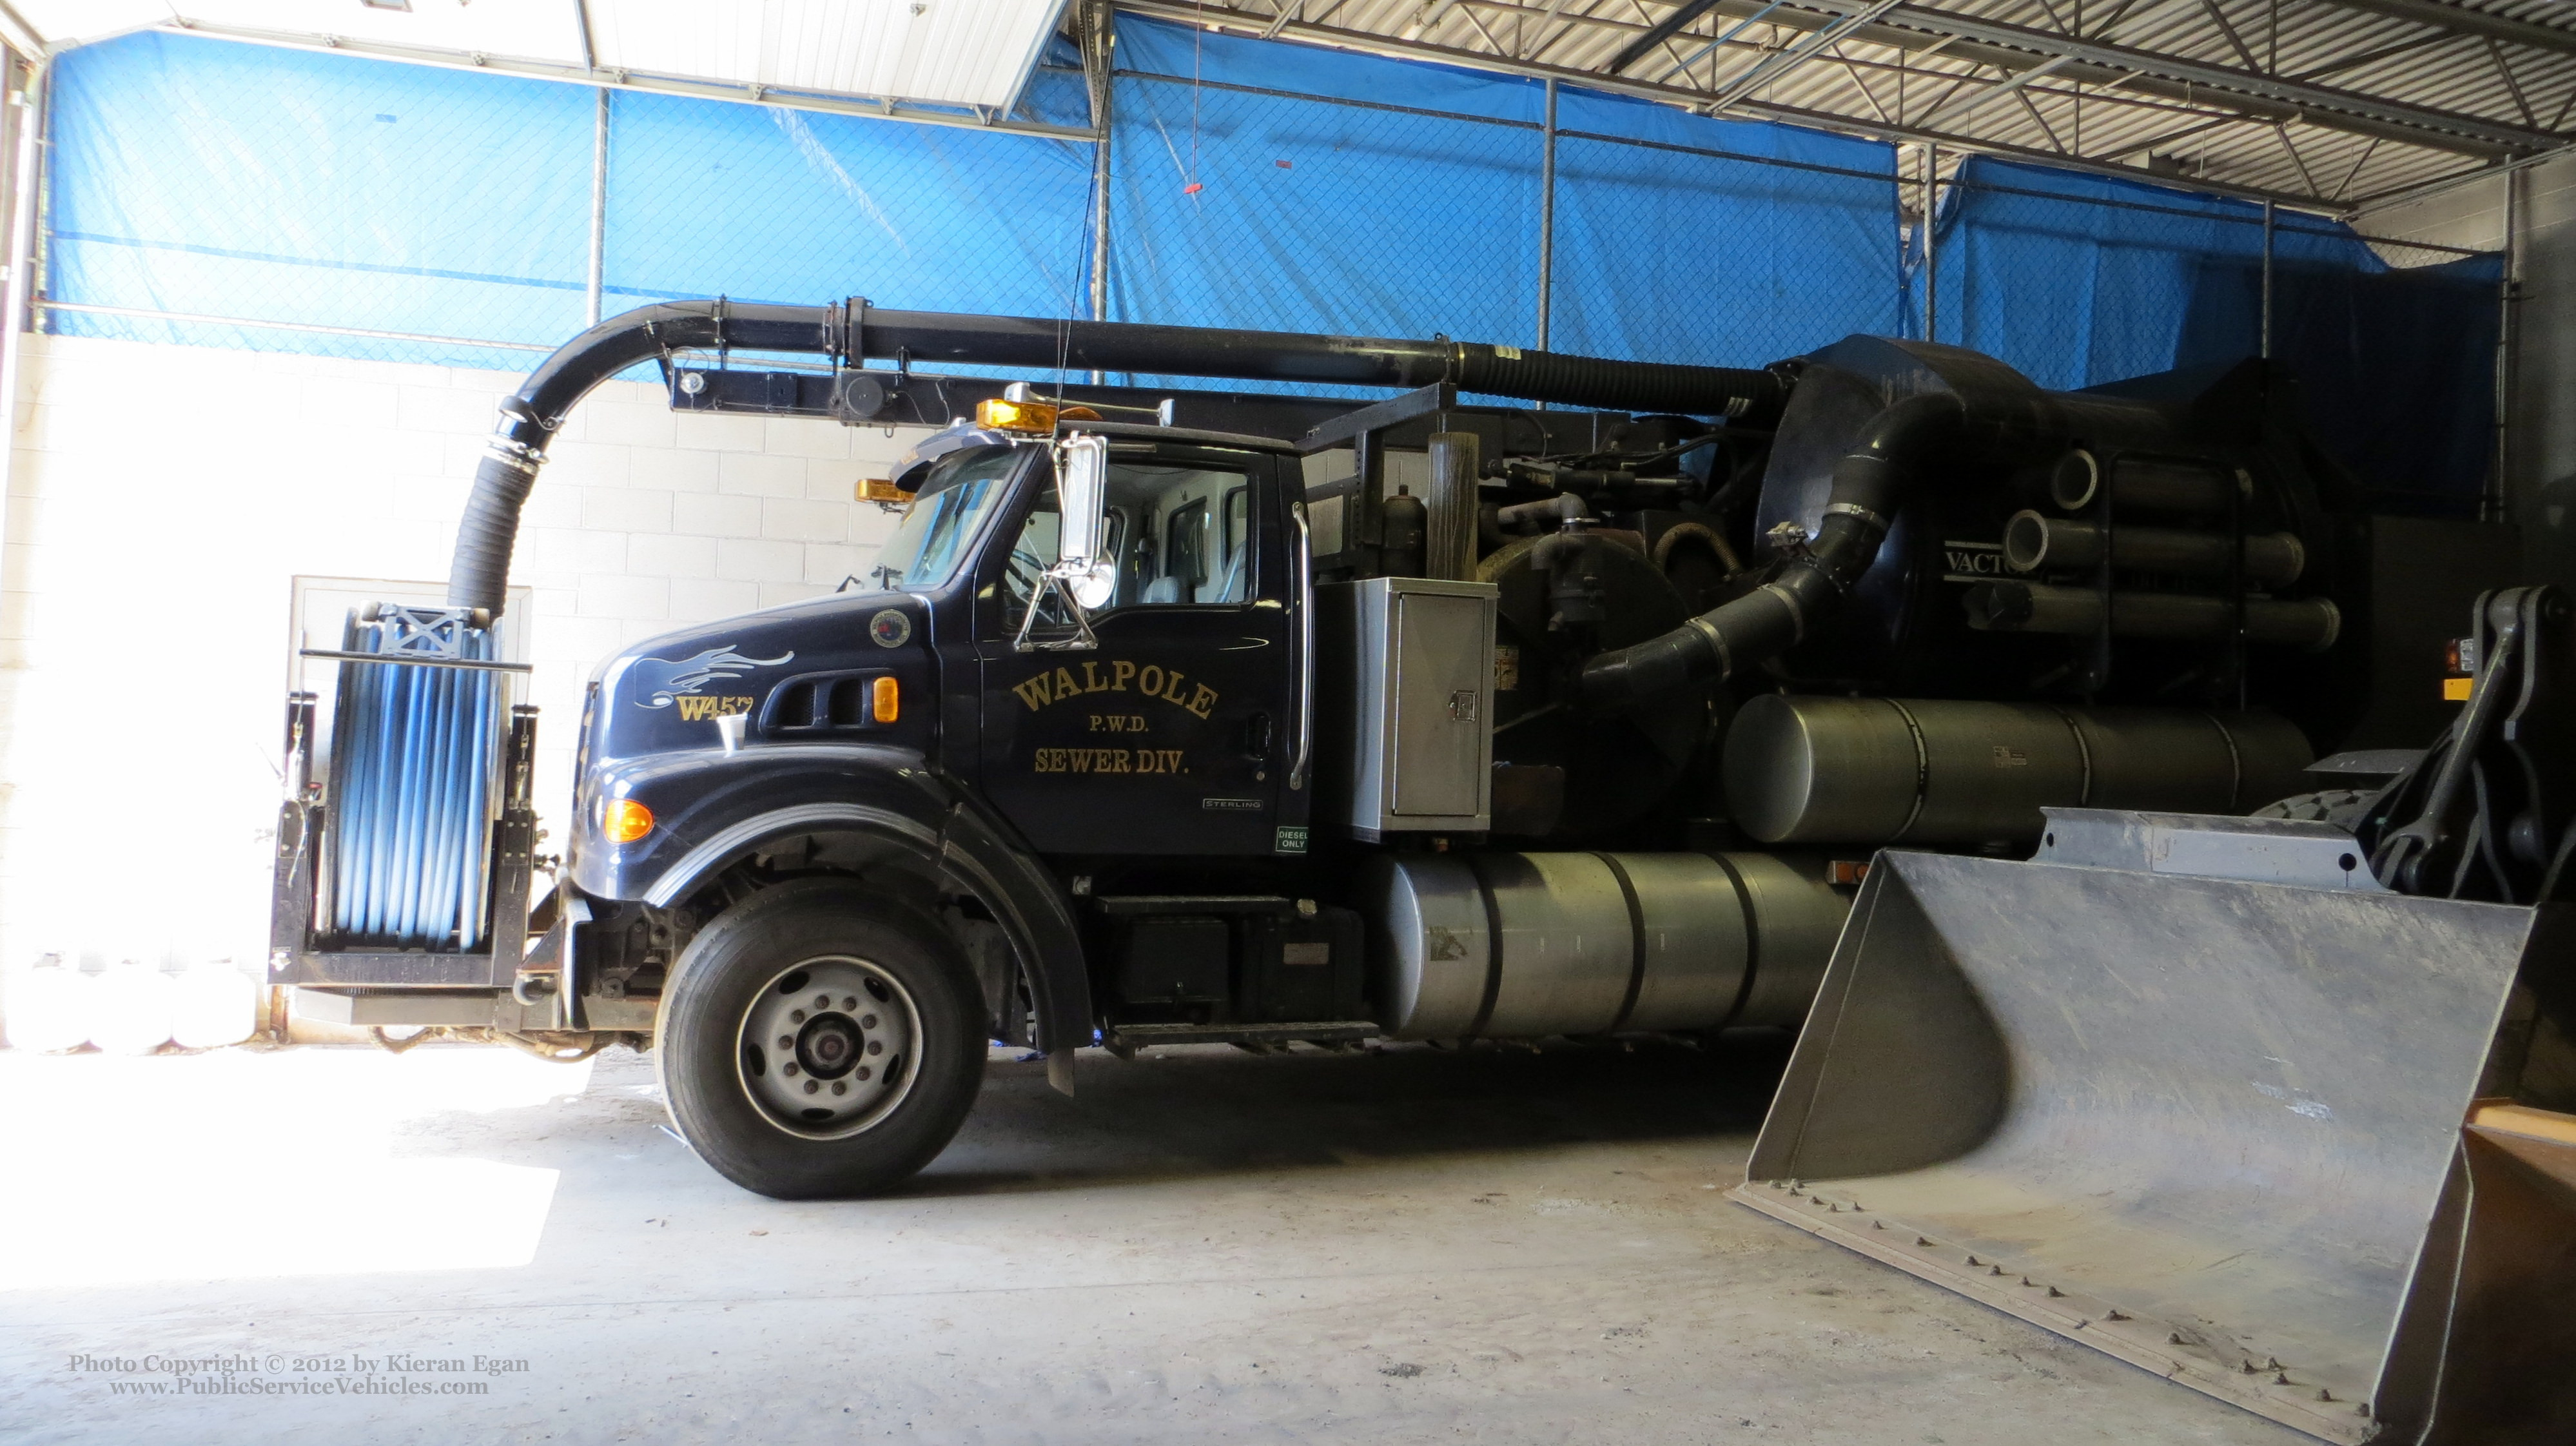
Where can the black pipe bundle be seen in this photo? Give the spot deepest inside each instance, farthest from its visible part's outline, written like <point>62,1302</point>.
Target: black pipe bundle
<point>854,332</point>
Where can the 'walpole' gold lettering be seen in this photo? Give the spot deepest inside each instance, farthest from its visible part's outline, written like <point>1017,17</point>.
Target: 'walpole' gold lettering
<point>1170,685</point>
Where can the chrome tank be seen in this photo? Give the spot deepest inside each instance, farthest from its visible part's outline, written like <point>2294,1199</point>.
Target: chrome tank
<point>1811,770</point>
<point>1520,945</point>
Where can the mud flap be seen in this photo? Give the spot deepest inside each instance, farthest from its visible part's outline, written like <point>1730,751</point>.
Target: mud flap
<point>2210,1125</point>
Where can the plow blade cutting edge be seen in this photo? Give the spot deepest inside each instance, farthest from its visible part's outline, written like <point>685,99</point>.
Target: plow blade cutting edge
<point>2198,1093</point>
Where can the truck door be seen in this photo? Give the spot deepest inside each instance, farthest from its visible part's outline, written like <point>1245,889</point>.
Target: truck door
<point>1173,735</point>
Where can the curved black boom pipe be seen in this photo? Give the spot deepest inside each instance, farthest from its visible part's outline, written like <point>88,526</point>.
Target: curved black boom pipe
<point>1870,483</point>
<point>853,332</point>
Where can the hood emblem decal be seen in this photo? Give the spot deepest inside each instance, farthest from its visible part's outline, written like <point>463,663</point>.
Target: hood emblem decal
<point>659,681</point>
<point>890,628</point>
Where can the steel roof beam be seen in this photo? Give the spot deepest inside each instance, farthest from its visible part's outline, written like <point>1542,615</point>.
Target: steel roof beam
<point>1218,16</point>
<point>2469,22</point>
<point>2306,96</point>
<point>1900,31</point>
<point>1663,30</point>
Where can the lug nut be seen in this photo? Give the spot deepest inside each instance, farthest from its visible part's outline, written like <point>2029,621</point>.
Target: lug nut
<point>788,1068</point>
<point>850,1001</point>
<point>822,1001</point>
<point>863,1071</point>
<point>876,1046</point>
<point>867,1021</point>
<point>786,1041</point>
<point>840,1087</point>
<point>797,1015</point>
<point>811,1087</point>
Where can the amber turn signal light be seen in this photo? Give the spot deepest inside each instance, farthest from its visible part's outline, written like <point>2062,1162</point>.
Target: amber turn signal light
<point>626,821</point>
<point>885,700</point>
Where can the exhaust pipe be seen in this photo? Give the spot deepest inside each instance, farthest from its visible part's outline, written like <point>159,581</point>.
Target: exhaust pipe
<point>852,332</point>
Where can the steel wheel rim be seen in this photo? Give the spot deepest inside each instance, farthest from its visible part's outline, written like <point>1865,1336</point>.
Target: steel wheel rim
<point>828,1047</point>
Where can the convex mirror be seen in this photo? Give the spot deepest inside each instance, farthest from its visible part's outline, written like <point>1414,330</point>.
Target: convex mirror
<point>1082,492</point>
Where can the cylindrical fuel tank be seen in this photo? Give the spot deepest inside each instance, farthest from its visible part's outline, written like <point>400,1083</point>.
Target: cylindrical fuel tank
<point>1516,946</point>
<point>1888,770</point>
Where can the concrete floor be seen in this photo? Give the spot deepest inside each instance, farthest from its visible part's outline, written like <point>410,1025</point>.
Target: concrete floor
<point>1396,1247</point>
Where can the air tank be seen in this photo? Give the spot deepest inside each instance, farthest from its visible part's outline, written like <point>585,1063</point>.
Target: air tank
<point>1888,770</point>
<point>1522,945</point>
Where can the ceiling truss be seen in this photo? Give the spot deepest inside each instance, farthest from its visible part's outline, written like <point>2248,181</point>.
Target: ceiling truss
<point>2327,105</point>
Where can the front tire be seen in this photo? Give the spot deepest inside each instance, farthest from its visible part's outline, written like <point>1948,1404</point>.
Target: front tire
<point>820,1041</point>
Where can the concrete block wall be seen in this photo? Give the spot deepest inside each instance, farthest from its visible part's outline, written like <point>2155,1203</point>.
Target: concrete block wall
<point>163,499</point>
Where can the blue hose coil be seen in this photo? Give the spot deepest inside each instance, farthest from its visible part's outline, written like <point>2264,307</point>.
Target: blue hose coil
<point>414,781</point>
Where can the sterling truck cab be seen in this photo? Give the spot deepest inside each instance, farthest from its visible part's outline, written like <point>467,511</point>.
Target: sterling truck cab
<point>1308,721</point>
<point>924,778</point>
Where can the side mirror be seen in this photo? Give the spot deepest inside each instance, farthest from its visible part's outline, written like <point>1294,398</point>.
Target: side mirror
<point>1081,577</point>
<point>1082,494</point>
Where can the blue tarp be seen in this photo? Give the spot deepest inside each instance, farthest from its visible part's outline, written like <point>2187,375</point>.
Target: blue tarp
<point>1689,248</point>
<point>711,197</point>
<point>2079,280</point>
<point>1314,214</point>
<point>1336,193</point>
<point>203,176</point>
<point>1354,194</point>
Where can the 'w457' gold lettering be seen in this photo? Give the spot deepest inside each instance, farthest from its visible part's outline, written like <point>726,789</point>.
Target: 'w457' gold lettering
<point>1117,676</point>
<point>697,706</point>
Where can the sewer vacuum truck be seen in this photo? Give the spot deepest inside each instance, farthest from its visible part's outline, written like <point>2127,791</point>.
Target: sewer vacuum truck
<point>1547,696</point>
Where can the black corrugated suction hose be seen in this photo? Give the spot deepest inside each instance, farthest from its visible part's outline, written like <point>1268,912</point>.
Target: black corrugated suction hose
<point>1870,484</point>
<point>490,527</point>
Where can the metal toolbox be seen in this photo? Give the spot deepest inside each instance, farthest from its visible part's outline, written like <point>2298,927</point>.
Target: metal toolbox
<point>1405,693</point>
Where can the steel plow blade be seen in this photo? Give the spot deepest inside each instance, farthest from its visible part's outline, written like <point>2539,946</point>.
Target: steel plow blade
<point>2213,1126</point>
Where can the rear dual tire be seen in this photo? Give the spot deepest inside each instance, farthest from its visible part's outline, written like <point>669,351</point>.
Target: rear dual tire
<point>820,1041</point>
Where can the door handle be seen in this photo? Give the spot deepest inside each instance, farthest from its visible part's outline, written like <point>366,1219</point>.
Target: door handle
<point>1256,737</point>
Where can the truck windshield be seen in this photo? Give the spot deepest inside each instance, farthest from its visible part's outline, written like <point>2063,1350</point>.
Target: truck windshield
<point>943,519</point>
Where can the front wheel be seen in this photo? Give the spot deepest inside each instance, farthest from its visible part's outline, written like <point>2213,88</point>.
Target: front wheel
<point>820,1041</point>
